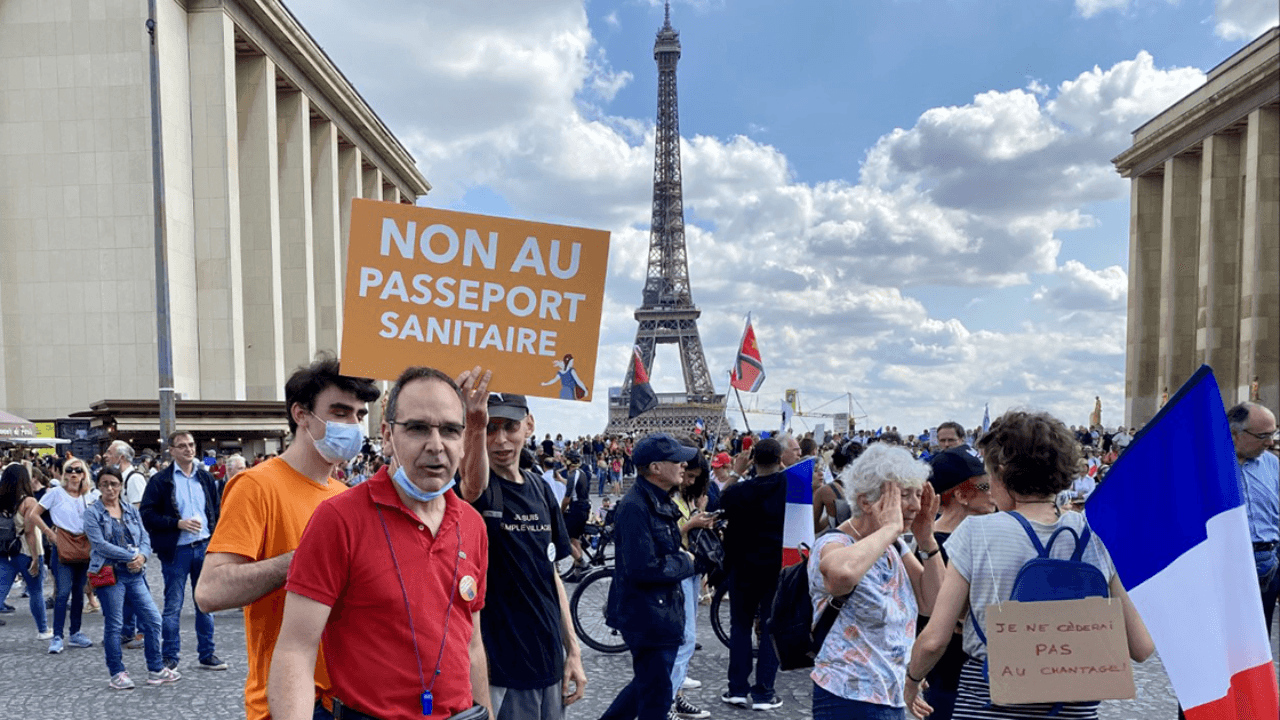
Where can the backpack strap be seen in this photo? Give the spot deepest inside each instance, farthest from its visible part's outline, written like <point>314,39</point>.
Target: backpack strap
<point>1031,533</point>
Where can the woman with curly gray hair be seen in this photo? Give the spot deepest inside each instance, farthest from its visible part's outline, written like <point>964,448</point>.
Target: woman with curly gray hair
<point>879,585</point>
<point>1030,457</point>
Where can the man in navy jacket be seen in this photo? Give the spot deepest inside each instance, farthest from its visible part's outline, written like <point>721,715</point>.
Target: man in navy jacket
<point>180,509</point>
<point>646,602</point>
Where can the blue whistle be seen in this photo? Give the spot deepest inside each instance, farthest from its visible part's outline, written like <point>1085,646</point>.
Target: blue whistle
<point>426,703</point>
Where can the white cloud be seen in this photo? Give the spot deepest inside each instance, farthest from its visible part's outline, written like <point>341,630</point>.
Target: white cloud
<point>1244,19</point>
<point>1082,289</point>
<point>1090,8</point>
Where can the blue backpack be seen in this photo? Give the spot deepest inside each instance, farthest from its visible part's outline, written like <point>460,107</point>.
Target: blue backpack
<point>1048,578</point>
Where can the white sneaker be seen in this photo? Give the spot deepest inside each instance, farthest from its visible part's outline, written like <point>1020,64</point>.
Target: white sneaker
<point>690,684</point>
<point>47,634</point>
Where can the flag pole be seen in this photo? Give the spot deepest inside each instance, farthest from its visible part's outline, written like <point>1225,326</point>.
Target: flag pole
<point>740,407</point>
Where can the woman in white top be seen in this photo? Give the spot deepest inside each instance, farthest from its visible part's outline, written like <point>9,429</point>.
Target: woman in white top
<point>1030,458</point>
<point>66,506</point>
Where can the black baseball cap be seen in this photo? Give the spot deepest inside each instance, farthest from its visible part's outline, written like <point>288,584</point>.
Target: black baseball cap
<point>661,446</point>
<point>952,467</point>
<point>508,406</point>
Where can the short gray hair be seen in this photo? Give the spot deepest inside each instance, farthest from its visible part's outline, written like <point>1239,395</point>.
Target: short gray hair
<point>122,447</point>
<point>1238,415</point>
<point>881,463</point>
<point>236,459</point>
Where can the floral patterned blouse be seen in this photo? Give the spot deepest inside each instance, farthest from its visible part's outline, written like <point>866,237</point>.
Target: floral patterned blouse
<point>865,655</point>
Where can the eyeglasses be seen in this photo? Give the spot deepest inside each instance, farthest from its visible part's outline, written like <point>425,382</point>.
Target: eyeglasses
<point>184,446</point>
<point>1261,436</point>
<point>418,430</point>
<point>76,470</point>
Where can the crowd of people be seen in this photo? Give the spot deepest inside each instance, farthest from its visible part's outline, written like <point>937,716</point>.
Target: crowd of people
<point>414,572</point>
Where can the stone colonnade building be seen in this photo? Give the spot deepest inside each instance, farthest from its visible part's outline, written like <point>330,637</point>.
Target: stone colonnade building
<point>265,144</point>
<point>1204,237</point>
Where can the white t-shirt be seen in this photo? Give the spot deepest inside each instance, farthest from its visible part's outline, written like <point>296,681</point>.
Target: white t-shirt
<point>135,482</point>
<point>67,512</point>
<point>989,550</point>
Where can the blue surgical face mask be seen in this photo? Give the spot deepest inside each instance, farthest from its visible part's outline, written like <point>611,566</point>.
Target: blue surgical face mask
<point>402,479</point>
<point>341,441</point>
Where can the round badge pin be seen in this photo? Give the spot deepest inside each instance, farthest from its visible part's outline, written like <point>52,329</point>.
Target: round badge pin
<point>551,551</point>
<point>467,588</point>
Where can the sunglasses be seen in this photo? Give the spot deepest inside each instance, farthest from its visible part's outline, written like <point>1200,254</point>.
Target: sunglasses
<point>76,470</point>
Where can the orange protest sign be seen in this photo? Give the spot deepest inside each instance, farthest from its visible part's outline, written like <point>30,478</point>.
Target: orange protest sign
<point>454,290</point>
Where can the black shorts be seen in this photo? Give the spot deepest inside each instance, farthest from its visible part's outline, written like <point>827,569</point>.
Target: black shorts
<point>575,518</point>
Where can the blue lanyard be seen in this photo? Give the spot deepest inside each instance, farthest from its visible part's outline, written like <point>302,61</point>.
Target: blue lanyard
<point>427,700</point>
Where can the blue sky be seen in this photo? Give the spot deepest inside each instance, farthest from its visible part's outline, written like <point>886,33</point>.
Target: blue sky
<point>913,198</point>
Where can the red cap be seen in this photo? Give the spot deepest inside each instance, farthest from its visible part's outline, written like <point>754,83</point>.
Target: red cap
<point>721,460</point>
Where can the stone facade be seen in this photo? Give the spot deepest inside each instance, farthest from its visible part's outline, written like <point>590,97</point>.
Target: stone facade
<point>1204,237</point>
<point>265,144</point>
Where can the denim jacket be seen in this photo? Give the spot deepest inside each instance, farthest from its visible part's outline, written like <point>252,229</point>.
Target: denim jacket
<point>97,526</point>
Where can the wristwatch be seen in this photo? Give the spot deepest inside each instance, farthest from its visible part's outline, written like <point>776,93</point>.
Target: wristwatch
<point>923,556</point>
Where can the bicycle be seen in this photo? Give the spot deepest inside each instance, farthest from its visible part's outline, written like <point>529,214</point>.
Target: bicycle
<point>597,549</point>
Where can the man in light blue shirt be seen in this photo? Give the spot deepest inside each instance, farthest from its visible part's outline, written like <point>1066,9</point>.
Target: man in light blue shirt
<point>1253,429</point>
<point>180,509</point>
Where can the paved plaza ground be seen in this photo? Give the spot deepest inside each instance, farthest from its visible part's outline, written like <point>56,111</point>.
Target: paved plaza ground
<point>35,684</point>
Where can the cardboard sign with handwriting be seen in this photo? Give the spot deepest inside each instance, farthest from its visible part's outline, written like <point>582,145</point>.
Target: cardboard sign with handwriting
<point>1058,651</point>
<point>453,290</point>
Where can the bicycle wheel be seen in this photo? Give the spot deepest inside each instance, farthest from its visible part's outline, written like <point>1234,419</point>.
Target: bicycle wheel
<point>720,619</point>
<point>587,607</point>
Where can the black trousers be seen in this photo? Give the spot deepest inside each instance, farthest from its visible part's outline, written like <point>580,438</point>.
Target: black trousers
<point>648,695</point>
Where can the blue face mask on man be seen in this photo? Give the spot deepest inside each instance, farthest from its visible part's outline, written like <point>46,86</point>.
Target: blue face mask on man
<point>341,441</point>
<point>402,479</point>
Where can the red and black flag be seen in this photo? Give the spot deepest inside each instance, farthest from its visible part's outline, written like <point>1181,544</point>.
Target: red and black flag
<point>642,397</point>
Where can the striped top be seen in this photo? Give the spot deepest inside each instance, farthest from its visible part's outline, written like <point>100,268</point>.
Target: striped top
<point>989,550</point>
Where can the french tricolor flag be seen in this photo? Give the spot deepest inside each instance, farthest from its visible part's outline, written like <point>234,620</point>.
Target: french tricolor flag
<point>1172,514</point>
<point>797,525</point>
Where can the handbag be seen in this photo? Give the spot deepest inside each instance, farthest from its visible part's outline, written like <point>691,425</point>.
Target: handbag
<point>72,547</point>
<point>105,577</point>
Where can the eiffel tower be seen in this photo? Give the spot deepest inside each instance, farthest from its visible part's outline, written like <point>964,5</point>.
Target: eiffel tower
<point>667,313</point>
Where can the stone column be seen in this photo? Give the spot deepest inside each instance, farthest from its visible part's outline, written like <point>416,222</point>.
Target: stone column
<point>390,193</point>
<point>1142,345</point>
<point>326,230</point>
<point>350,186</point>
<point>1260,259</point>
<point>297,262</point>
<point>1179,239</point>
<point>260,228</point>
<point>216,191</point>
<point>1217,313</point>
<point>372,183</point>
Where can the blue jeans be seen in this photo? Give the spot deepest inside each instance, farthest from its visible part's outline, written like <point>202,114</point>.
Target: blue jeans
<point>750,597</point>
<point>13,566</point>
<point>827,706</point>
<point>130,587</point>
<point>70,588</point>
<point>186,564</point>
<point>1268,566</point>
<point>685,653</point>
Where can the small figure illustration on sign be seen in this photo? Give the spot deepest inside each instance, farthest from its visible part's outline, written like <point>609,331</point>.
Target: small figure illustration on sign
<point>571,386</point>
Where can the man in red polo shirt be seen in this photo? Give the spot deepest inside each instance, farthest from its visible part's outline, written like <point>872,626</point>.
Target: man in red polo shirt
<point>392,574</point>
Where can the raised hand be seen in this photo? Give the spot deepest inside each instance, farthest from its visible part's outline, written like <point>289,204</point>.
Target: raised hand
<point>922,524</point>
<point>887,511</point>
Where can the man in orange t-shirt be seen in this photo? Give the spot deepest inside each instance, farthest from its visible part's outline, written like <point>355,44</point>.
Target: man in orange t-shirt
<point>266,508</point>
